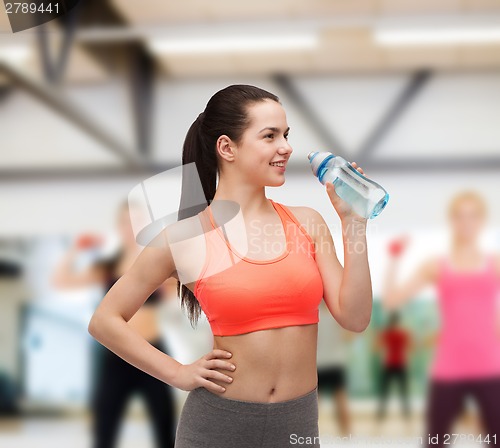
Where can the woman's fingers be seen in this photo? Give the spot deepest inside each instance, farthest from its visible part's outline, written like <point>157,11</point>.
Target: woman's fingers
<point>219,364</point>
<point>358,168</point>
<point>209,385</point>
<point>215,375</point>
<point>330,189</point>
<point>217,353</point>
<point>216,359</point>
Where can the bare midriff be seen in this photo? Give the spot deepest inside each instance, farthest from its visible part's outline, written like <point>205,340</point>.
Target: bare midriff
<point>272,365</point>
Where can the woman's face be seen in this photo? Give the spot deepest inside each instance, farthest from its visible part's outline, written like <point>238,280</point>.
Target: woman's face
<point>263,151</point>
<point>467,220</point>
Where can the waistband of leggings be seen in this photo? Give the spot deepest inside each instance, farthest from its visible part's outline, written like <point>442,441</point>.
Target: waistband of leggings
<point>255,407</point>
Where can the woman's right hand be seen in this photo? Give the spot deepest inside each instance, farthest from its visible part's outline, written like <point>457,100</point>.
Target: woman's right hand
<point>201,373</point>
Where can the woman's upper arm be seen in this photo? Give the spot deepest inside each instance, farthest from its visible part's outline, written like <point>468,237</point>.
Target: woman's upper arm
<point>325,253</point>
<point>425,275</point>
<point>149,271</point>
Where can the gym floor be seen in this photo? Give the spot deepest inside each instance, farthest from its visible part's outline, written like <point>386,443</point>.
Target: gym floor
<point>72,430</point>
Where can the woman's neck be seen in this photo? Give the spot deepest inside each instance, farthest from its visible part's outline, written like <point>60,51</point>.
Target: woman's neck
<point>248,197</point>
<point>465,248</point>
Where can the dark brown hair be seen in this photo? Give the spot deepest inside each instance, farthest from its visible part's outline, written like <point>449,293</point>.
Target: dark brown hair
<point>226,113</point>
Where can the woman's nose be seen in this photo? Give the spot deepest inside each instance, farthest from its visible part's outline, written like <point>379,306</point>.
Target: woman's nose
<point>285,148</point>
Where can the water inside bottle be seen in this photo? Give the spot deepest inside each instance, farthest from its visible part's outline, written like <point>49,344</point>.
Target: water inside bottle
<point>356,200</point>
<point>355,191</point>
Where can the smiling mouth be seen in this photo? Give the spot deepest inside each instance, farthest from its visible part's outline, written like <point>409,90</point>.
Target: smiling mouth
<point>282,164</point>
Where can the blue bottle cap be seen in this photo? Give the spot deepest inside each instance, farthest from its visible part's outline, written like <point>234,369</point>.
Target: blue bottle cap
<point>316,160</point>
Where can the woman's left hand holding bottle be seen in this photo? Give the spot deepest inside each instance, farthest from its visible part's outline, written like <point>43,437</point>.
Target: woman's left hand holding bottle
<point>343,209</point>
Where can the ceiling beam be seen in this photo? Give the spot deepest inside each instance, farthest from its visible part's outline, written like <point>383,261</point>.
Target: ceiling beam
<point>112,55</point>
<point>410,166</point>
<point>53,98</point>
<point>417,81</point>
<point>141,84</point>
<point>5,92</point>
<point>310,115</point>
<point>127,58</point>
<point>422,165</point>
<point>54,65</point>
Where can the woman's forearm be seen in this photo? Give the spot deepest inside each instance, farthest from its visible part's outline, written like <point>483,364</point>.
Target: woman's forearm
<point>117,335</point>
<point>355,297</point>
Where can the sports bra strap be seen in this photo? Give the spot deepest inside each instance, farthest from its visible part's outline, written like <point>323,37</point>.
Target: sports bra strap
<point>290,225</point>
<point>205,221</point>
<point>287,215</point>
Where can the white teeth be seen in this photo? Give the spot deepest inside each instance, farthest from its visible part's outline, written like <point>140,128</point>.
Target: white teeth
<point>277,164</point>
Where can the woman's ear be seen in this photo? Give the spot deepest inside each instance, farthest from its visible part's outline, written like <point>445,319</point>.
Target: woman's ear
<point>225,148</point>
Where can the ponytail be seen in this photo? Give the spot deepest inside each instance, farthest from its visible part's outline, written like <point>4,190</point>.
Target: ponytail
<point>225,114</point>
<point>197,150</point>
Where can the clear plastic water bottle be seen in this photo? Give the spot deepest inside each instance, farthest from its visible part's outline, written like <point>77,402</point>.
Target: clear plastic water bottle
<point>367,198</point>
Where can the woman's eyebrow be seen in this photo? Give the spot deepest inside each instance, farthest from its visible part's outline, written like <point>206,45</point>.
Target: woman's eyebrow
<point>270,128</point>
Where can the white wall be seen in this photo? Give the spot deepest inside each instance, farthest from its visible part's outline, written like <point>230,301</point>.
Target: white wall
<point>416,201</point>
<point>33,135</point>
<point>454,115</point>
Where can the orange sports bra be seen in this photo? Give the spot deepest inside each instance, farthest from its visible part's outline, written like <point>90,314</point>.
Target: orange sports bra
<point>240,295</point>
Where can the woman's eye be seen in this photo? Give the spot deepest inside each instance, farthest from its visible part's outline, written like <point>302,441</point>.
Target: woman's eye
<point>270,136</point>
<point>286,136</point>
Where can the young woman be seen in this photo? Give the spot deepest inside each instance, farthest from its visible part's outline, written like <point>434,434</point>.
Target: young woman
<point>467,357</point>
<point>116,380</point>
<point>257,387</point>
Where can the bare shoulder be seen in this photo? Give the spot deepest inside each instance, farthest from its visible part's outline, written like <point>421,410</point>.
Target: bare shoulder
<point>430,268</point>
<point>310,219</point>
<point>305,213</point>
<point>185,245</point>
<point>168,242</point>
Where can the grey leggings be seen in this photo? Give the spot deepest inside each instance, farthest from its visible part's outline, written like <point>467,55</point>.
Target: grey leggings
<point>211,421</point>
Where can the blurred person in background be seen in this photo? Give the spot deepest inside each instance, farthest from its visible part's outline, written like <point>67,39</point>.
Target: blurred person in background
<point>394,342</point>
<point>258,386</point>
<point>115,380</point>
<point>331,362</point>
<point>467,357</point>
